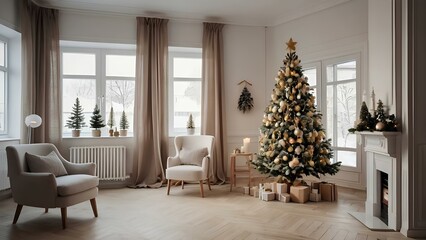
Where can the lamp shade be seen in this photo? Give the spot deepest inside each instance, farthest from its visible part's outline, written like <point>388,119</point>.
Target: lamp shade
<point>33,121</point>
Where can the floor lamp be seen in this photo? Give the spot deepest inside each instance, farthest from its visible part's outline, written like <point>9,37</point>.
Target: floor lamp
<point>32,121</point>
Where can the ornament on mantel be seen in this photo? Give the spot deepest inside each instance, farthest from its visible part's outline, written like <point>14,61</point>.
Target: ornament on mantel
<point>245,102</point>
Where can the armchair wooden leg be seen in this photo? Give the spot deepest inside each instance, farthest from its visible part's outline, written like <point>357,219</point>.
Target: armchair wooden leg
<point>94,208</point>
<point>168,186</point>
<point>17,213</point>
<point>64,217</point>
<point>208,183</point>
<point>182,184</point>
<point>201,188</point>
<point>46,210</point>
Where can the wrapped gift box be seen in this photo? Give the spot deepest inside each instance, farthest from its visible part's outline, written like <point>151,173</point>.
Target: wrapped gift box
<point>299,194</point>
<point>268,196</point>
<point>282,188</point>
<point>328,192</point>
<point>314,197</point>
<point>274,187</point>
<point>254,190</point>
<point>315,185</point>
<point>267,186</point>
<point>246,190</point>
<point>283,197</point>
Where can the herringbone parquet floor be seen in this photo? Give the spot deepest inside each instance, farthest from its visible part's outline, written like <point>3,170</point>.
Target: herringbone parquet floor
<point>150,214</point>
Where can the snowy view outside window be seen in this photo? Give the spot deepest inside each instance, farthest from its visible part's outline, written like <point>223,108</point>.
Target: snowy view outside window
<point>98,77</point>
<point>184,89</point>
<point>341,110</point>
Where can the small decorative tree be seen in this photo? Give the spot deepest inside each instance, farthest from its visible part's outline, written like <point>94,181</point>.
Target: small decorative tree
<point>190,125</point>
<point>111,122</point>
<point>245,102</point>
<point>365,121</point>
<point>96,122</point>
<point>76,120</point>
<point>124,124</point>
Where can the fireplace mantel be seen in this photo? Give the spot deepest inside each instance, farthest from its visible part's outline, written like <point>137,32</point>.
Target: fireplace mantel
<point>382,155</point>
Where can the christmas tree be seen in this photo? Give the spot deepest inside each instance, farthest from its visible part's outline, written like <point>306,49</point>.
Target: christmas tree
<point>96,121</point>
<point>111,120</point>
<point>245,102</point>
<point>190,123</point>
<point>293,142</point>
<point>365,121</point>
<point>124,124</point>
<point>76,120</point>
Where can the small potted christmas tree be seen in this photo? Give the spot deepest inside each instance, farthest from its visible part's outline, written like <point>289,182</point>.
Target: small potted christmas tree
<point>124,124</point>
<point>76,120</point>
<point>190,128</point>
<point>96,122</point>
<point>111,122</point>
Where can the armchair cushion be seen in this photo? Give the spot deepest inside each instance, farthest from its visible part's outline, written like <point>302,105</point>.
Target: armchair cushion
<point>46,164</point>
<point>72,184</point>
<point>192,156</point>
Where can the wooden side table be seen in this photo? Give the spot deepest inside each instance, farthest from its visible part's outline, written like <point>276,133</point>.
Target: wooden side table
<point>247,168</point>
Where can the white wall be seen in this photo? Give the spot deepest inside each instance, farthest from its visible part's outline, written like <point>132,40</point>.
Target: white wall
<point>338,31</point>
<point>380,52</point>
<point>9,14</point>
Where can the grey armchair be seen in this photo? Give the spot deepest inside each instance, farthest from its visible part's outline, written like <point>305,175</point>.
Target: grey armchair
<point>44,189</point>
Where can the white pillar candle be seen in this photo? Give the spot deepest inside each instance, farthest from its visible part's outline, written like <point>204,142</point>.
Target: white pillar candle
<point>246,142</point>
<point>242,149</point>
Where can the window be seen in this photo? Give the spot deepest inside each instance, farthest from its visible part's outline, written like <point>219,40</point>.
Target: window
<point>184,88</point>
<point>342,108</point>
<point>3,85</point>
<point>334,82</point>
<point>98,76</point>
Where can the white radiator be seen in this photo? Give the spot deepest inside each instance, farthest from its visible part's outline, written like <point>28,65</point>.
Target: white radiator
<point>110,160</point>
<point>4,180</point>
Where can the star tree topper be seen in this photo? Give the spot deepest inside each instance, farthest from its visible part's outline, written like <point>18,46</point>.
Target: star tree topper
<point>291,45</point>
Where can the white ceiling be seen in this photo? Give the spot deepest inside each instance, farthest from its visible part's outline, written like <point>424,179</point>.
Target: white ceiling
<point>239,12</point>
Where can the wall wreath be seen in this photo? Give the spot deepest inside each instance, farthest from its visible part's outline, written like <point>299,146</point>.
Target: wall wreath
<point>245,102</point>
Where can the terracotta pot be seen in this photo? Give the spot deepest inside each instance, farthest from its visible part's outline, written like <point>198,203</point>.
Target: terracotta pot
<point>96,133</point>
<point>123,132</point>
<point>111,132</point>
<point>75,133</point>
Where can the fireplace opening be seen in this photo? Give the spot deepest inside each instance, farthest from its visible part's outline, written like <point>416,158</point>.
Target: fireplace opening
<point>384,197</point>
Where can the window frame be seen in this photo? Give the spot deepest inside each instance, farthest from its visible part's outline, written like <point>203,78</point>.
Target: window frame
<point>321,97</point>
<point>100,78</point>
<point>5,69</point>
<point>180,52</point>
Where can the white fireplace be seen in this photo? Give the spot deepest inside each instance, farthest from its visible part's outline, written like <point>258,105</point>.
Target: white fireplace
<point>382,156</point>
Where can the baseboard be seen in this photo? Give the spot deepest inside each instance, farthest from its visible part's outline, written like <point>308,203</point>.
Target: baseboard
<point>106,184</point>
<point>5,194</point>
<point>414,233</point>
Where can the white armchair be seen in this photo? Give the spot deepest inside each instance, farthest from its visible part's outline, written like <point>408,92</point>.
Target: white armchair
<point>41,177</point>
<point>192,161</point>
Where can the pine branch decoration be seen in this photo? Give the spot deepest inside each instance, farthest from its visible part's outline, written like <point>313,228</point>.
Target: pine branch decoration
<point>245,102</point>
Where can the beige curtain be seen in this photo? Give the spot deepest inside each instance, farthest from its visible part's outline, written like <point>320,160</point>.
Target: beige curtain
<point>41,85</point>
<point>212,106</point>
<point>150,119</point>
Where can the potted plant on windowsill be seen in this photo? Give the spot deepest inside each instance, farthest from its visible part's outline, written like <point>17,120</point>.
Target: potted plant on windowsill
<point>111,122</point>
<point>190,128</point>
<point>76,120</point>
<point>124,125</point>
<point>96,122</point>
